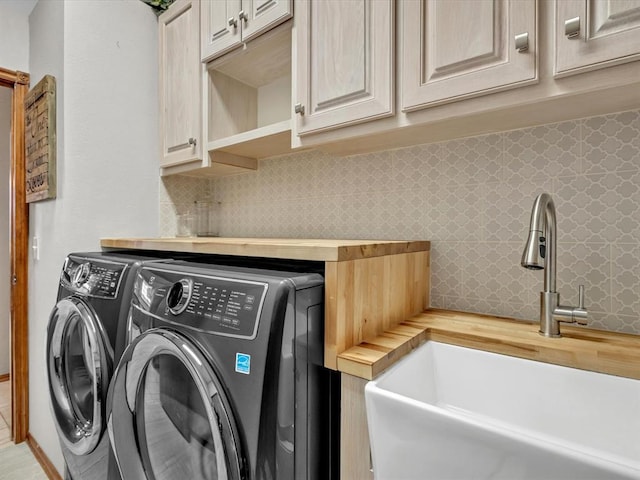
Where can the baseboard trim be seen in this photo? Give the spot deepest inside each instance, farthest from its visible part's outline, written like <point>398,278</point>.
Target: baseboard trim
<point>5,377</point>
<point>42,459</point>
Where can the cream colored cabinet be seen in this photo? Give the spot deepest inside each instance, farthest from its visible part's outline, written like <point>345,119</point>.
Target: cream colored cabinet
<point>592,34</point>
<point>455,49</point>
<point>227,24</point>
<point>343,63</point>
<point>180,84</point>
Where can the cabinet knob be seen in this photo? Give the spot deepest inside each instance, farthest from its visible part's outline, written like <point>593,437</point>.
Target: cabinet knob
<point>572,27</point>
<point>298,108</point>
<point>522,42</point>
<point>233,22</point>
<point>242,15</point>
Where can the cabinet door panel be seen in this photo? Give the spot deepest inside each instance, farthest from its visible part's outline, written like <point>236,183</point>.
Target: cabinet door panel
<point>180,97</point>
<point>609,34</point>
<point>340,61</point>
<point>218,36</point>
<point>453,49</point>
<point>264,15</point>
<point>343,62</point>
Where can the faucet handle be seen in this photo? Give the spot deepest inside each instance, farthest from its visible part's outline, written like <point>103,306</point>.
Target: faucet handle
<point>581,296</point>
<point>580,312</point>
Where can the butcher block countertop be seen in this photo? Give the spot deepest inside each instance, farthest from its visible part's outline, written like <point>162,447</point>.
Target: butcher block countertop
<point>587,349</point>
<point>324,250</point>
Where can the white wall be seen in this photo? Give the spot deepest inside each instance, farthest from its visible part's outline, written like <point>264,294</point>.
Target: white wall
<point>14,34</point>
<point>5,126</point>
<point>45,56</point>
<point>104,57</point>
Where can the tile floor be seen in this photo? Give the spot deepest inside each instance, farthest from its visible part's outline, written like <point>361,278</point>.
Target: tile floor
<point>16,461</point>
<point>19,463</point>
<point>5,413</point>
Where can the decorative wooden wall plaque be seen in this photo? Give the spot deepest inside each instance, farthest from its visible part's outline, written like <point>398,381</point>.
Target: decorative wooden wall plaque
<point>40,140</point>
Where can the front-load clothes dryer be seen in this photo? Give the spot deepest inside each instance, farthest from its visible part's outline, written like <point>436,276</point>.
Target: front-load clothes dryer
<point>223,377</point>
<point>93,300</point>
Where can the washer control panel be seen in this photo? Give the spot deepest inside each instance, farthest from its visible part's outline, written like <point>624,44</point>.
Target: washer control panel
<point>90,278</point>
<point>218,305</point>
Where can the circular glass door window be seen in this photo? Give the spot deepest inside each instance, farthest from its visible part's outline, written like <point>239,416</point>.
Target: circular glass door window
<point>173,428</point>
<point>170,418</point>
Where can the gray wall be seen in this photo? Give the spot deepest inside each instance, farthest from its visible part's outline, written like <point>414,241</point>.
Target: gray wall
<point>14,55</point>
<point>472,198</point>
<point>104,57</point>
<point>14,34</point>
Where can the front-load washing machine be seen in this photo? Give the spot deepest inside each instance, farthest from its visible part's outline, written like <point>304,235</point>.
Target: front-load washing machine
<point>93,299</point>
<point>223,377</point>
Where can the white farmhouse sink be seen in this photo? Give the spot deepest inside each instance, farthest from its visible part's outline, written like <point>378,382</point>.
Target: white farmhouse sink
<point>448,412</point>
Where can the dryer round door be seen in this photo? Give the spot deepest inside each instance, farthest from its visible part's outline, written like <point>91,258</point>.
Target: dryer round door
<point>169,416</point>
<point>79,364</point>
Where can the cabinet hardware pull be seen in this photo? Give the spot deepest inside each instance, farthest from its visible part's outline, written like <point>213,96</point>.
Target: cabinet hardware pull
<point>522,42</point>
<point>299,108</point>
<point>175,148</point>
<point>572,27</point>
<point>233,22</point>
<point>242,15</point>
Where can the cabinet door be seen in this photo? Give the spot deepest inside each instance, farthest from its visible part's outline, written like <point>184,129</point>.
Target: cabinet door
<point>599,33</point>
<point>343,62</point>
<point>220,27</point>
<point>454,49</point>
<point>180,93</point>
<point>262,15</point>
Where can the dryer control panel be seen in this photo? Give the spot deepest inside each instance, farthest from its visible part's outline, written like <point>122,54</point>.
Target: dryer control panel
<point>90,278</point>
<point>208,303</point>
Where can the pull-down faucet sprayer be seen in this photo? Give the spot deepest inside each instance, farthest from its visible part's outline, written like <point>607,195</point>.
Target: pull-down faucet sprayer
<point>539,253</point>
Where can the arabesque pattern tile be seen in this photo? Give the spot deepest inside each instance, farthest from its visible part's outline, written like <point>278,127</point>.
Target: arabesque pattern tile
<point>472,198</point>
<point>612,143</point>
<point>625,279</point>
<point>473,160</point>
<point>543,152</point>
<point>599,208</point>
<point>178,195</point>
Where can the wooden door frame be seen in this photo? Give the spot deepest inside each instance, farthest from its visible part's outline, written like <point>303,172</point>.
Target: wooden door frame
<point>19,244</point>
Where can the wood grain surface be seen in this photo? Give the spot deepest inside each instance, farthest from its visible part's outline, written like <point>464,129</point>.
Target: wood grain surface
<point>367,296</point>
<point>595,350</point>
<point>289,248</point>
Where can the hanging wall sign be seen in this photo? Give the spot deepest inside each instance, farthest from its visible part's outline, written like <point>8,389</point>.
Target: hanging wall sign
<point>40,140</point>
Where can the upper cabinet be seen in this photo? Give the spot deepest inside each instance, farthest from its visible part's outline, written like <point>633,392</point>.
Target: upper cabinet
<point>456,49</point>
<point>592,34</point>
<point>180,85</point>
<point>343,63</point>
<point>227,24</point>
<point>240,80</point>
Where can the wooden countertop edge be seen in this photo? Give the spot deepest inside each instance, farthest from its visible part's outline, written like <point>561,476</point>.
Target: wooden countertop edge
<point>331,250</point>
<point>599,351</point>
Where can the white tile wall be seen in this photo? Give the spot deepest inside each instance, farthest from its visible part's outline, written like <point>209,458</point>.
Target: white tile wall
<point>472,198</point>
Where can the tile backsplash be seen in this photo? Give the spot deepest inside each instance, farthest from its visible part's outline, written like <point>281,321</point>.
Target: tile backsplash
<point>472,198</point>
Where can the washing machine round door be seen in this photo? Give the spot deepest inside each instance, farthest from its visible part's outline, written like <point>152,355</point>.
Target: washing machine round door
<point>79,364</point>
<point>169,417</point>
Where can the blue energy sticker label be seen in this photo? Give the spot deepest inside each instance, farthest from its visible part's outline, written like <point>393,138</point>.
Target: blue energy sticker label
<point>243,363</point>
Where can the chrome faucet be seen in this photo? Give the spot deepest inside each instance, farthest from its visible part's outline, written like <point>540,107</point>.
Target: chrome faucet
<point>539,253</point>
